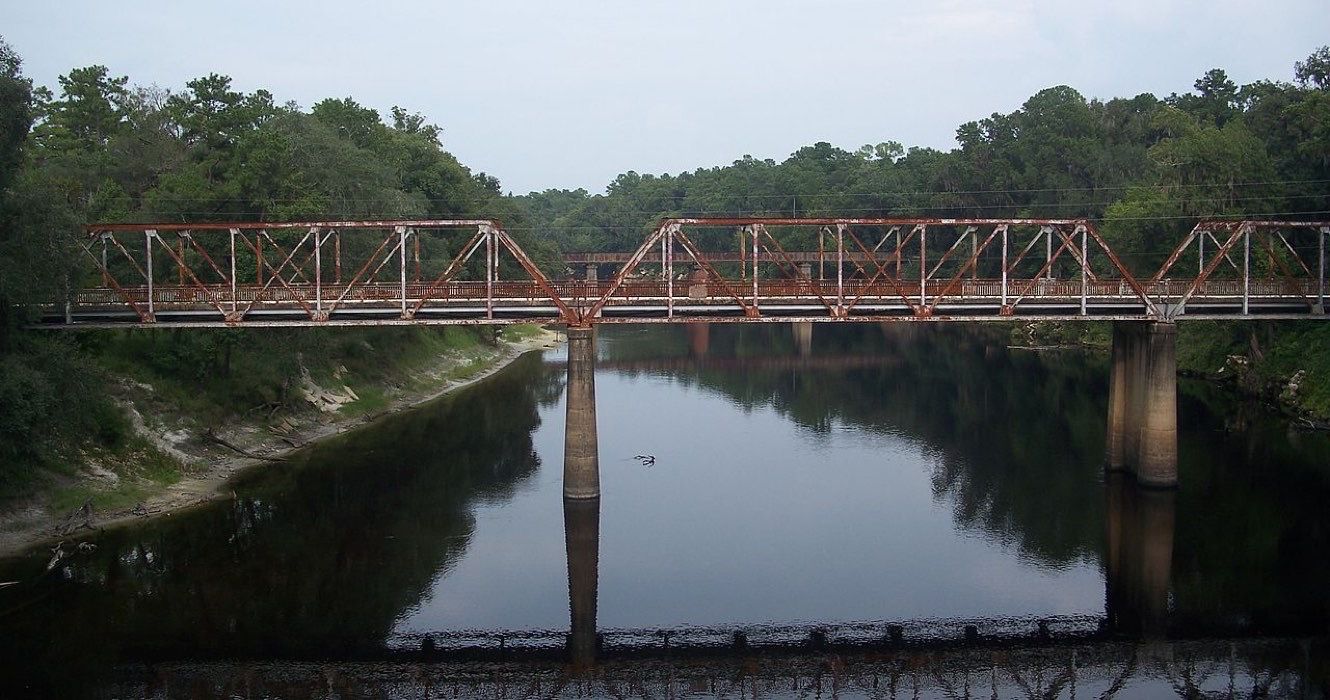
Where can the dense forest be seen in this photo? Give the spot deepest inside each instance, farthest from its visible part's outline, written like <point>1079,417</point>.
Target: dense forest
<point>98,148</point>
<point>1144,166</point>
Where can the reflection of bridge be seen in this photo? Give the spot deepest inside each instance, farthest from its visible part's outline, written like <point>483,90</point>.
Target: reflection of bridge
<point>1216,668</point>
<point>1135,649</point>
<point>1086,656</point>
<point>328,273</point>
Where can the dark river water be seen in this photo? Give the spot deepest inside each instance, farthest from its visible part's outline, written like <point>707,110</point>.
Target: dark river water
<point>918,476</point>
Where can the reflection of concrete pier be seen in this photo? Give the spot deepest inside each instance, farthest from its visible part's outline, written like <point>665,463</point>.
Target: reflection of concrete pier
<point>803,337</point>
<point>581,532</point>
<point>581,449</point>
<point>1139,557</point>
<point>699,339</point>
<point>1142,403</point>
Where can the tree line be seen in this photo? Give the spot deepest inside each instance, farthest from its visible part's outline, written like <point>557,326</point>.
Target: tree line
<point>1145,166</point>
<point>98,149</point>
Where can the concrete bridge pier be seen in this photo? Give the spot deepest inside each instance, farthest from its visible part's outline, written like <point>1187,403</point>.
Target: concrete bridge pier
<point>581,533</point>
<point>803,337</point>
<point>592,272</point>
<point>1142,403</point>
<point>581,448</point>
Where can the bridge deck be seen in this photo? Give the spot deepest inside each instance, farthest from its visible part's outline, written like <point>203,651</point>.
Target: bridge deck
<point>650,301</point>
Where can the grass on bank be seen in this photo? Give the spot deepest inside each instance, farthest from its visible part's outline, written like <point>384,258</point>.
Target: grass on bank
<point>218,375</point>
<point>1274,350</point>
<point>58,414</point>
<point>141,470</point>
<point>519,332</point>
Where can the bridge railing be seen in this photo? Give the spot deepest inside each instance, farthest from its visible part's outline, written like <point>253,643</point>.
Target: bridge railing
<point>317,269</point>
<point>1248,260</point>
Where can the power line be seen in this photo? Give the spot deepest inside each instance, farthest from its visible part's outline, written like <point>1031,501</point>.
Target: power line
<point>822,195</point>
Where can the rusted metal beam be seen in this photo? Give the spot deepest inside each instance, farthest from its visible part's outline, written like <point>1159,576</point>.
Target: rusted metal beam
<point>337,224</point>
<point>285,291</point>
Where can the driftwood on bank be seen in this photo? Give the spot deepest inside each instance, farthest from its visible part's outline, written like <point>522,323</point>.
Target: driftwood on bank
<point>78,519</point>
<point>212,436</point>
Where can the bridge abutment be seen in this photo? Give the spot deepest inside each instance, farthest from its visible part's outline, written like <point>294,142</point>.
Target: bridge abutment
<point>581,448</point>
<point>1142,436</point>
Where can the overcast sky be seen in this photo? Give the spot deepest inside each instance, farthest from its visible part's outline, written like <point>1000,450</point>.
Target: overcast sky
<point>569,94</point>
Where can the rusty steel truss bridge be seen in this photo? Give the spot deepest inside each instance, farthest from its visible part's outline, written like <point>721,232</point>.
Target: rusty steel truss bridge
<point>471,271</point>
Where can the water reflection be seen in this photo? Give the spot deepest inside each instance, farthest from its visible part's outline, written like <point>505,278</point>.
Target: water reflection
<point>1017,439</point>
<point>581,526</point>
<point>927,469</point>
<point>1277,668</point>
<point>302,561</point>
<point>1138,557</point>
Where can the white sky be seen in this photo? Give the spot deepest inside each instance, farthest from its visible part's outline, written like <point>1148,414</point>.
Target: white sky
<point>557,94</point>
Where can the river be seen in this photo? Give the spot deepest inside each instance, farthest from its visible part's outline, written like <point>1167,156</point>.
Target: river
<point>921,476</point>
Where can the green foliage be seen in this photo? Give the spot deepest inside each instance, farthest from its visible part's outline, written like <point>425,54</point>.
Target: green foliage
<point>91,110</point>
<point>1275,353</point>
<point>217,375</point>
<point>1315,71</point>
<point>520,332</point>
<point>50,399</point>
<point>100,149</point>
<point>16,112</point>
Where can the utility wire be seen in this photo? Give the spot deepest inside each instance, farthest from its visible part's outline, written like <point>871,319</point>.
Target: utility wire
<point>408,195</point>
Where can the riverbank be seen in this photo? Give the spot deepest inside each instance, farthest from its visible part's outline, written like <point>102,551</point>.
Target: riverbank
<point>1265,362</point>
<point>198,460</point>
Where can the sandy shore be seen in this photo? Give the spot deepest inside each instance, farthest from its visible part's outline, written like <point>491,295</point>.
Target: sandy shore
<point>30,524</point>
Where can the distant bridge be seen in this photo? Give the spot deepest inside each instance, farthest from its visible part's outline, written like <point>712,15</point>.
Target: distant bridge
<point>470,271</point>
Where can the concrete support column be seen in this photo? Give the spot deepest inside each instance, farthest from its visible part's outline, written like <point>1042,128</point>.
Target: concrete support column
<point>581,449</point>
<point>581,534</point>
<point>806,270</point>
<point>803,337</point>
<point>1142,436</point>
<point>592,272</point>
<point>1157,460</point>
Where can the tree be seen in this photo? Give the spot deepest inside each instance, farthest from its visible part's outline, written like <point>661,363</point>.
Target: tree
<point>1315,71</point>
<point>359,125</point>
<point>1217,101</point>
<point>15,112</point>
<point>90,111</point>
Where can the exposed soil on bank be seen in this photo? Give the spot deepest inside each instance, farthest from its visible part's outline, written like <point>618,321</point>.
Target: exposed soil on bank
<point>215,455</point>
